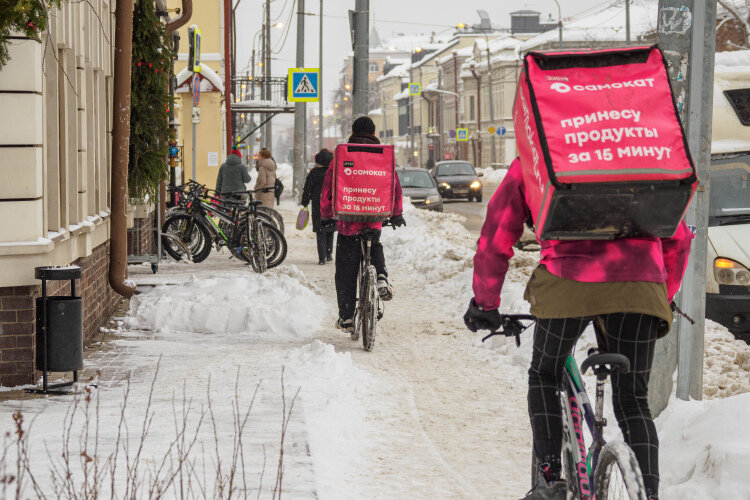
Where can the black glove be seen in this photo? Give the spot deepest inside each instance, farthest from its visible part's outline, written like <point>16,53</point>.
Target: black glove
<point>479,319</point>
<point>328,225</point>
<point>397,220</point>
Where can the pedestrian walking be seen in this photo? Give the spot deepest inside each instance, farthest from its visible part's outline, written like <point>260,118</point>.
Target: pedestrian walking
<point>311,193</point>
<point>266,178</point>
<point>232,177</point>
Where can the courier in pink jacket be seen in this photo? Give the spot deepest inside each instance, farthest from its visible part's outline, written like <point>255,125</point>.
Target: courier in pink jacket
<point>348,249</point>
<point>622,286</point>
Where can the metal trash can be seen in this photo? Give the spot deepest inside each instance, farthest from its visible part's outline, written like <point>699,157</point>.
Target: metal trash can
<point>59,329</point>
<point>64,336</point>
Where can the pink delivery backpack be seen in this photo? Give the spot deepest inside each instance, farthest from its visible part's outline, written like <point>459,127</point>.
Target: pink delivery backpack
<point>602,148</point>
<point>363,182</point>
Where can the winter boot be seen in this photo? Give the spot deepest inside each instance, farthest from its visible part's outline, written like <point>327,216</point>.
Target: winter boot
<point>384,288</point>
<point>548,486</point>
<point>347,325</point>
<point>651,495</point>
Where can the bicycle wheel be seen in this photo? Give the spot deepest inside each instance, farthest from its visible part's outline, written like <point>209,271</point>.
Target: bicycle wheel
<point>180,232</point>
<point>276,246</point>
<point>259,260</point>
<point>369,310</point>
<point>617,475</point>
<point>274,215</point>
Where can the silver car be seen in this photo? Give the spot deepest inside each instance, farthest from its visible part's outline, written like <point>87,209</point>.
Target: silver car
<point>418,184</point>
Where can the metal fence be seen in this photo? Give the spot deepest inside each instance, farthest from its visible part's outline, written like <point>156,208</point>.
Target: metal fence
<point>271,90</point>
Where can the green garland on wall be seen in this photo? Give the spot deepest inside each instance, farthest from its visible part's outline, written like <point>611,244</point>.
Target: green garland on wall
<point>27,18</point>
<point>150,103</point>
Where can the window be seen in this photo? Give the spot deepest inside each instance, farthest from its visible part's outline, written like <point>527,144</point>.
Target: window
<point>472,111</point>
<point>374,67</point>
<point>403,117</point>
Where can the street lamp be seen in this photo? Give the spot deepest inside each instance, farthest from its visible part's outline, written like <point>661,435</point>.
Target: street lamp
<point>559,22</point>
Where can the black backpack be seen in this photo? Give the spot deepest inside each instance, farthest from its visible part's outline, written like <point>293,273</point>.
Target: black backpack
<point>278,188</point>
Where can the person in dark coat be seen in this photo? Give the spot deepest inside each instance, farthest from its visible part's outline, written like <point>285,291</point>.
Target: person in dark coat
<point>311,192</point>
<point>232,177</point>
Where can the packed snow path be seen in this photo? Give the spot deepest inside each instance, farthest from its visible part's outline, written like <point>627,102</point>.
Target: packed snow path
<point>430,413</point>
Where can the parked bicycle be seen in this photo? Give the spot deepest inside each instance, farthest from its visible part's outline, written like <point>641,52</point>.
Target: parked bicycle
<point>601,470</point>
<point>201,220</point>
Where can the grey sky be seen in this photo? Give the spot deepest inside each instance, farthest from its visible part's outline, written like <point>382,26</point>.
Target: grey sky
<point>389,16</point>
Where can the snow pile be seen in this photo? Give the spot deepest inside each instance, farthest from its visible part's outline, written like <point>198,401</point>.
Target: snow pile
<point>434,246</point>
<point>492,175</point>
<point>330,392</point>
<point>705,448</point>
<point>275,305</point>
<point>726,364</point>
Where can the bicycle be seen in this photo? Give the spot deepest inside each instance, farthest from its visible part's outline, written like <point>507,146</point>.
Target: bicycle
<point>249,234</point>
<point>602,470</point>
<point>369,308</point>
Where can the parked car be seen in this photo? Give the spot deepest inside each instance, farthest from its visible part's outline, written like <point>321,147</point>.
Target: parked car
<point>457,179</point>
<point>728,273</point>
<point>418,184</point>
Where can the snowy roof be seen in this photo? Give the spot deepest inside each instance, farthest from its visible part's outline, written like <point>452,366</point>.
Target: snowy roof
<point>401,95</point>
<point>604,24</point>
<point>210,81</point>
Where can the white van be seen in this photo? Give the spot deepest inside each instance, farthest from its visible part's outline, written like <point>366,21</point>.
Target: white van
<point>728,277</point>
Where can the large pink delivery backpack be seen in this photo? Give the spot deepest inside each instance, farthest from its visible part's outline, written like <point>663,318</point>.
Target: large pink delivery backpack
<point>364,183</point>
<point>602,148</point>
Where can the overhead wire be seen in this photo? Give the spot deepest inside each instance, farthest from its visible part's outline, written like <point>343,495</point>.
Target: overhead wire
<point>280,47</point>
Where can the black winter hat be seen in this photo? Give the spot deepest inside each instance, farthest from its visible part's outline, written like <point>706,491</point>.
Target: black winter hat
<point>324,157</point>
<point>363,125</point>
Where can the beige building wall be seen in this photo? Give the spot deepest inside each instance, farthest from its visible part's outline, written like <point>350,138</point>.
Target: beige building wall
<point>55,143</point>
<point>211,131</point>
<point>208,141</point>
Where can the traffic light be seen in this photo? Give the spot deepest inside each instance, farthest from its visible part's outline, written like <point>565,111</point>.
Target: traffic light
<point>194,54</point>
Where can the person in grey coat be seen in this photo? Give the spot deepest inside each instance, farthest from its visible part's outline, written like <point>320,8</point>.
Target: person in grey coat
<point>232,177</point>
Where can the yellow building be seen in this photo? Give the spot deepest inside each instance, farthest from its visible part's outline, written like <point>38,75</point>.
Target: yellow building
<point>208,16</point>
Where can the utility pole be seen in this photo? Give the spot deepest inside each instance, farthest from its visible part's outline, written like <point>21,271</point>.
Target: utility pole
<point>627,21</point>
<point>689,27</point>
<point>268,131</point>
<point>320,82</point>
<point>411,114</point>
<point>300,118</point>
<point>455,89</point>
<point>229,122</point>
<point>493,158</point>
<point>361,87</point>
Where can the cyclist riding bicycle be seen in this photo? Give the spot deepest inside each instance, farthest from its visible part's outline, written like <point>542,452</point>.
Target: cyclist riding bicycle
<point>624,286</point>
<point>348,250</point>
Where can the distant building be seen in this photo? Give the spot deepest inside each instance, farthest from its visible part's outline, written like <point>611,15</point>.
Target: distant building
<point>527,21</point>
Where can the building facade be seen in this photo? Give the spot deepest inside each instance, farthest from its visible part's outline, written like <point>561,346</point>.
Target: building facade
<point>55,151</point>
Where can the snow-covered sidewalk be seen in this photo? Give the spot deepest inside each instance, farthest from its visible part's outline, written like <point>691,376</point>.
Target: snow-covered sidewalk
<point>430,413</point>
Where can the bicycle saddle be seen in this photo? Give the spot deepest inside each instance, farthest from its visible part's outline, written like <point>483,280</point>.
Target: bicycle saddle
<point>615,362</point>
<point>369,234</point>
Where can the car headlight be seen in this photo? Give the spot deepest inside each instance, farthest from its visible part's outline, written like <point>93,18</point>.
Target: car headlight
<point>445,185</point>
<point>432,199</point>
<point>729,272</point>
<point>475,185</point>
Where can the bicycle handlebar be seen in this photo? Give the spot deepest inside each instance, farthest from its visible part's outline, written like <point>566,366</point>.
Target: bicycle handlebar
<point>512,327</point>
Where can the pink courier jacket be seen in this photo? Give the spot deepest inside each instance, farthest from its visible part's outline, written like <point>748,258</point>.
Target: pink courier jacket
<point>352,228</point>
<point>659,260</point>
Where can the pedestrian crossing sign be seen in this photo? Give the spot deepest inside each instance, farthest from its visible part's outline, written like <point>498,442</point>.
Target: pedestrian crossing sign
<point>415,89</point>
<point>303,85</point>
<point>462,134</point>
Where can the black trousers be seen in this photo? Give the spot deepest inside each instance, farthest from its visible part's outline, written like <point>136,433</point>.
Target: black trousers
<point>325,244</point>
<point>348,256</point>
<point>630,334</point>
